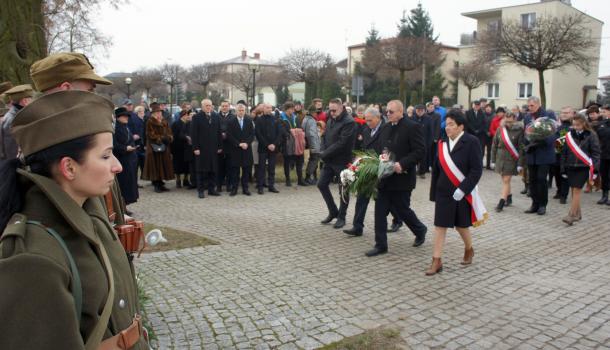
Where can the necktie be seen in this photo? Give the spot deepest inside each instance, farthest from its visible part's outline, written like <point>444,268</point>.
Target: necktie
<point>241,123</point>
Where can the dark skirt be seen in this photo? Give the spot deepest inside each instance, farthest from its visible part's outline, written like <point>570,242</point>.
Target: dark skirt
<point>577,177</point>
<point>128,178</point>
<point>449,213</point>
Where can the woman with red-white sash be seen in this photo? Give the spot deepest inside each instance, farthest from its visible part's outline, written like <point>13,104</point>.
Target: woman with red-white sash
<point>456,172</point>
<point>579,162</point>
<point>507,156</point>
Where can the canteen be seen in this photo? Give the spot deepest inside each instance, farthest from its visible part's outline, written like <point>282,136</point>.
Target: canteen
<point>154,237</point>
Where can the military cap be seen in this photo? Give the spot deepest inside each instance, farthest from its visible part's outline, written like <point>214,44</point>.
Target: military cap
<point>20,91</point>
<point>4,86</point>
<point>55,69</point>
<point>59,117</point>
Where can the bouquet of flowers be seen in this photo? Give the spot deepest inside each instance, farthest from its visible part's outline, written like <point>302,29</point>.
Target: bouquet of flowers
<point>363,175</point>
<point>561,141</point>
<point>540,129</point>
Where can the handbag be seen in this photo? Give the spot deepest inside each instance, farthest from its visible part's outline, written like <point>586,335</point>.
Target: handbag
<point>158,147</point>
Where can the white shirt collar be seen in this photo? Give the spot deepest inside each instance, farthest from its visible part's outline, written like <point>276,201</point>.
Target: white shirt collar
<point>454,142</point>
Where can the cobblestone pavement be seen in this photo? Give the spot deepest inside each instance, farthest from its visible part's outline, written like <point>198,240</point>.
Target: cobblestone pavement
<point>280,279</point>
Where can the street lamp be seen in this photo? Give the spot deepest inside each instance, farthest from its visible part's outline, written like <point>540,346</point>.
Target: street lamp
<point>128,83</point>
<point>170,82</point>
<point>254,64</point>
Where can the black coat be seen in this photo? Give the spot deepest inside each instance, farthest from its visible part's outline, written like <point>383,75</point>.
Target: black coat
<point>589,143</point>
<point>426,124</point>
<point>268,132</point>
<point>435,119</point>
<point>185,133</point>
<point>128,178</point>
<point>405,142</point>
<point>206,137</point>
<point>603,132</point>
<point>179,145</point>
<point>476,123</point>
<point>236,135</point>
<point>224,122</point>
<point>338,141</point>
<point>372,142</point>
<point>466,155</point>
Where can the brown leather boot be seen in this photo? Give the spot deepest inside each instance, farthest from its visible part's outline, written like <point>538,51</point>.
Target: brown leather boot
<point>437,266</point>
<point>569,219</point>
<point>468,254</point>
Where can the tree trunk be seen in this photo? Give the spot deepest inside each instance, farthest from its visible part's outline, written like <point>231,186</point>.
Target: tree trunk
<point>542,88</point>
<point>469,97</point>
<point>205,90</point>
<point>402,88</point>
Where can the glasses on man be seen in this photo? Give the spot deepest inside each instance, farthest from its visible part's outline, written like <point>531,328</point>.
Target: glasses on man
<point>390,111</point>
<point>332,110</point>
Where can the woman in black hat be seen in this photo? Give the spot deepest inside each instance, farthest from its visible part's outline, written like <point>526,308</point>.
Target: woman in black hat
<point>125,151</point>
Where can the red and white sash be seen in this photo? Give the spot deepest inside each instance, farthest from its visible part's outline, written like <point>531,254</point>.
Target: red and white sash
<point>478,212</point>
<point>509,145</point>
<point>580,154</point>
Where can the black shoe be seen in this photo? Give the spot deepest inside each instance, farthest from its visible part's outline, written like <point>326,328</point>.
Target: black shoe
<point>500,205</point>
<point>260,191</point>
<point>288,184</point>
<point>201,194</point>
<point>339,223</point>
<point>531,210</point>
<point>218,189</point>
<point>163,188</point>
<point>422,176</point>
<point>191,187</point>
<point>604,198</point>
<point>509,200</point>
<point>329,218</point>
<point>302,183</point>
<point>128,212</point>
<point>563,200</point>
<point>541,211</point>
<point>395,227</point>
<point>419,239</point>
<point>140,186</point>
<point>186,183</point>
<point>353,232</point>
<point>376,251</point>
<point>178,183</point>
<point>311,182</point>
<point>273,189</point>
<point>233,192</point>
<point>214,193</point>
<point>557,196</point>
<point>247,192</point>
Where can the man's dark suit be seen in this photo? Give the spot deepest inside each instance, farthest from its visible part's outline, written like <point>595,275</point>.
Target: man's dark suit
<point>405,142</point>
<point>238,157</point>
<point>477,126</point>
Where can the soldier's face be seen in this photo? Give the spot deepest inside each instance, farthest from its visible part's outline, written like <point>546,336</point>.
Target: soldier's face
<point>95,174</point>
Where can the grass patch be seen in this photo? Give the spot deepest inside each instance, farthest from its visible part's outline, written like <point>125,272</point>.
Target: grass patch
<point>382,338</point>
<point>143,299</point>
<point>176,239</point>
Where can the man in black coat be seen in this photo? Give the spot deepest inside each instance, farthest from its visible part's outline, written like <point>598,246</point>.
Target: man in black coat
<point>422,119</point>
<point>476,124</point>
<point>240,134</point>
<point>269,135</point>
<point>403,139</point>
<point>338,143</point>
<point>435,121</point>
<point>224,163</point>
<point>206,138</point>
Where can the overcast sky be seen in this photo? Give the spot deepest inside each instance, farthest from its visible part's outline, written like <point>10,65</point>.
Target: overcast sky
<point>150,33</point>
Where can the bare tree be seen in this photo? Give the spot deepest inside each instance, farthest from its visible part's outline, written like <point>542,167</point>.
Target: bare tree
<point>277,80</point>
<point>147,79</point>
<point>474,74</point>
<point>405,54</point>
<point>203,74</point>
<point>544,44</point>
<point>241,79</point>
<point>304,65</point>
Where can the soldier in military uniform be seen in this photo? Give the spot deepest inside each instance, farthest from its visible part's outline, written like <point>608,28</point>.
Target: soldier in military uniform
<point>73,71</point>
<point>20,96</point>
<point>65,280</point>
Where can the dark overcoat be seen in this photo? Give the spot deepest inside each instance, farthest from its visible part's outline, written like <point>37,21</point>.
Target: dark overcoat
<point>158,165</point>
<point>372,142</point>
<point>338,141</point>
<point>405,142</point>
<point>236,135</point>
<point>207,139</point>
<point>178,147</point>
<point>268,132</point>
<point>128,178</point>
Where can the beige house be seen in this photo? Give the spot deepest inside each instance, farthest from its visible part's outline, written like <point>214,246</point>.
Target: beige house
<point>450,53</point>
<point>240,68</point>
<point>513,83</point>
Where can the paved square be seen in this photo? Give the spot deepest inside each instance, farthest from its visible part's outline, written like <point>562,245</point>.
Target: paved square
<point>280,279</point>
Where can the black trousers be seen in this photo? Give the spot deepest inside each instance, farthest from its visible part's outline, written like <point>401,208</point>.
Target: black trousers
<point>563,188</point>
<point>538,184</point>
<point>141,159</point>
<point>401,202</point>
<point>488,144</point>
<point>326,177</point>
<point>312,164</point>
<point>604,173</point>
<point>224,166</point>
<point>245,176</point>
<point>206,179</point>
<point>362,204</point>
<point>266,163</point>
<point>298,161</point>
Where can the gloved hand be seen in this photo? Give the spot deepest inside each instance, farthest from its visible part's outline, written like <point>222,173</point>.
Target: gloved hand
<point>565,176</point>
<point>458,195</point>
<point>594,176</point>
<point>492,166</point>
<point>519,169</point>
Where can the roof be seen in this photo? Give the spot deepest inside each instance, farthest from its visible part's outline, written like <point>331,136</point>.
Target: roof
<point>497,12</point>
<point>362,45</point>
<point>607,77</point>
<point>116,75</point>
<point>342,63</point>
<point>240,60</point>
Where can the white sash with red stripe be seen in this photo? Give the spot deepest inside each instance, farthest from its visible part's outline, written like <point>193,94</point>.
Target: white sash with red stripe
<point>478,212</point>
<point>509,145</point>
<point>580,154</point>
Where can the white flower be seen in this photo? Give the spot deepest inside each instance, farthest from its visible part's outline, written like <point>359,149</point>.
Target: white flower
<point>347,177</point>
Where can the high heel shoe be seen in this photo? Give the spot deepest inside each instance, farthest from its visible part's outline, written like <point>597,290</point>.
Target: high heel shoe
<point>468,254</point>
<point>436,267</point>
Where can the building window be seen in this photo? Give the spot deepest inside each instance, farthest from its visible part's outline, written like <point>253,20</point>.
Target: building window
<point>525,90</point>
<point>493,25</point>
<point>528,20</point>
<point>493,90</point>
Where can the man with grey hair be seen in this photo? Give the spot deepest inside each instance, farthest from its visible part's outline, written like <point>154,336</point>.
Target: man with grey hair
<point>540,156</point>
<point>207,144</point>
<point>240,135</point>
